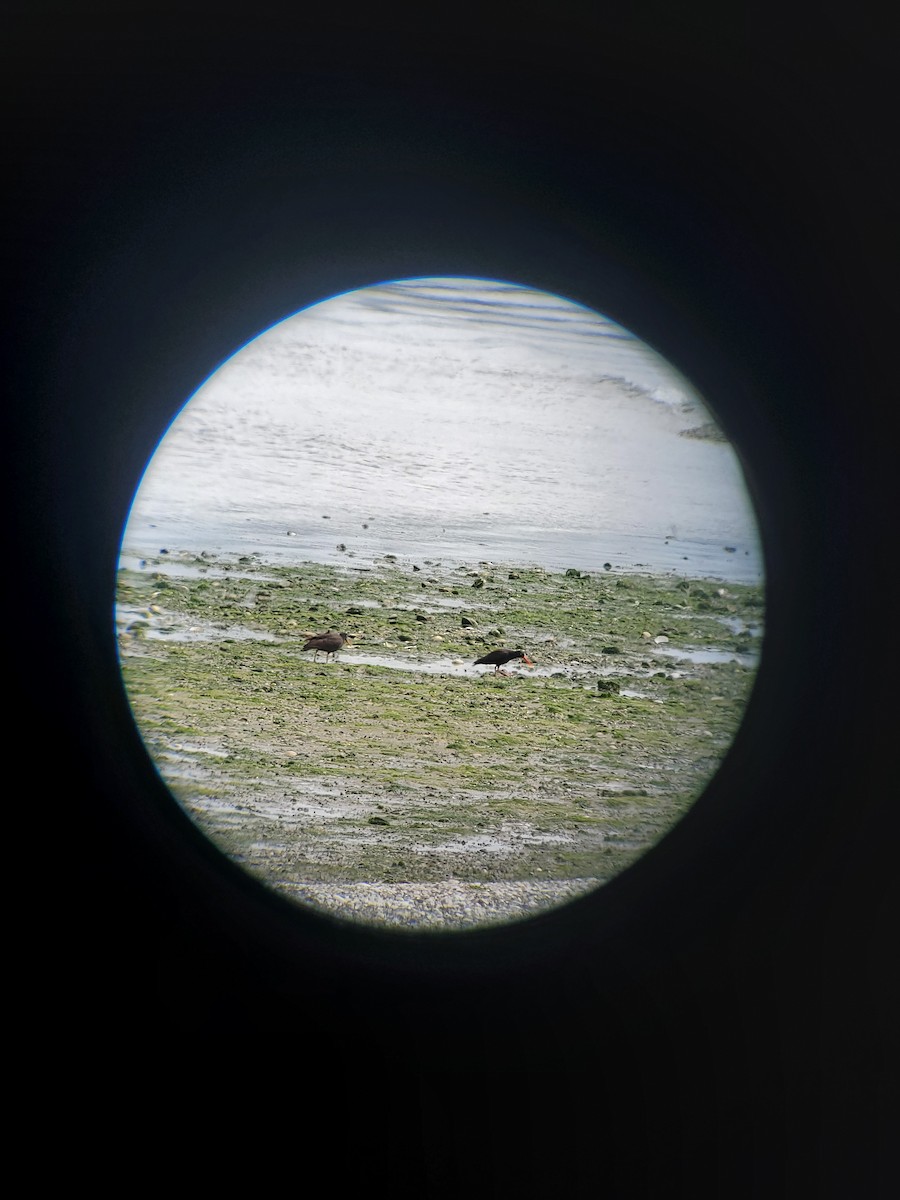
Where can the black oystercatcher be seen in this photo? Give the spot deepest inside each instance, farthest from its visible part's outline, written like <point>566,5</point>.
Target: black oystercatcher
<point>329,642</point>
<point>499,658</point>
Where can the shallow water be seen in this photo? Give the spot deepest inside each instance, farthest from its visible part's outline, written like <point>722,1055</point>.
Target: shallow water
<point>458,419</point>
<point>709,656</point>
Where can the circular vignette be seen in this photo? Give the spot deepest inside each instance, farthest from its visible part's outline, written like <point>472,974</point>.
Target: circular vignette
<point>557,924</point>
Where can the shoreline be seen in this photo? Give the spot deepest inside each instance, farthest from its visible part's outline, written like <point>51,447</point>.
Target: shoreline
<point>332,542</point>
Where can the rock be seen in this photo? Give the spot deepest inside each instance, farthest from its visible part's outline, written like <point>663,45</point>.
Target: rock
<point>709,432</point>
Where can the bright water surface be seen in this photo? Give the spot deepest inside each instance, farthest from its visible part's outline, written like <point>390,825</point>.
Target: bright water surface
<point>456,420</point>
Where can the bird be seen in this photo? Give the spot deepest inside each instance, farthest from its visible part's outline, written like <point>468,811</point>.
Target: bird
<point>329,642</point>
<point>499,658</point>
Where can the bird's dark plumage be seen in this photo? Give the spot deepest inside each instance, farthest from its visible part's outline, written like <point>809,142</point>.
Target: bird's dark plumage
<point>329,642</point>
<point>499,658</point>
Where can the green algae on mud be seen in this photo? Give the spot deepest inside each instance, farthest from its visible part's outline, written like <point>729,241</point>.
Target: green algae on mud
<point>402,762</point>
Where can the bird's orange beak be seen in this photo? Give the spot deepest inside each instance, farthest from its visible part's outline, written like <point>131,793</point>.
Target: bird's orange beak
<point>527,660</point>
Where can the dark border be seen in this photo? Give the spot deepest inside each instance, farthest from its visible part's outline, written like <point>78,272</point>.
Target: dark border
<point>180,184</point>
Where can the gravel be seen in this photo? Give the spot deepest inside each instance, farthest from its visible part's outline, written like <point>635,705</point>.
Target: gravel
<point>445,905</point>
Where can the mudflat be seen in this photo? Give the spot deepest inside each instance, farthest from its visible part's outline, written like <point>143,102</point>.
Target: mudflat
<point>400,784</point>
